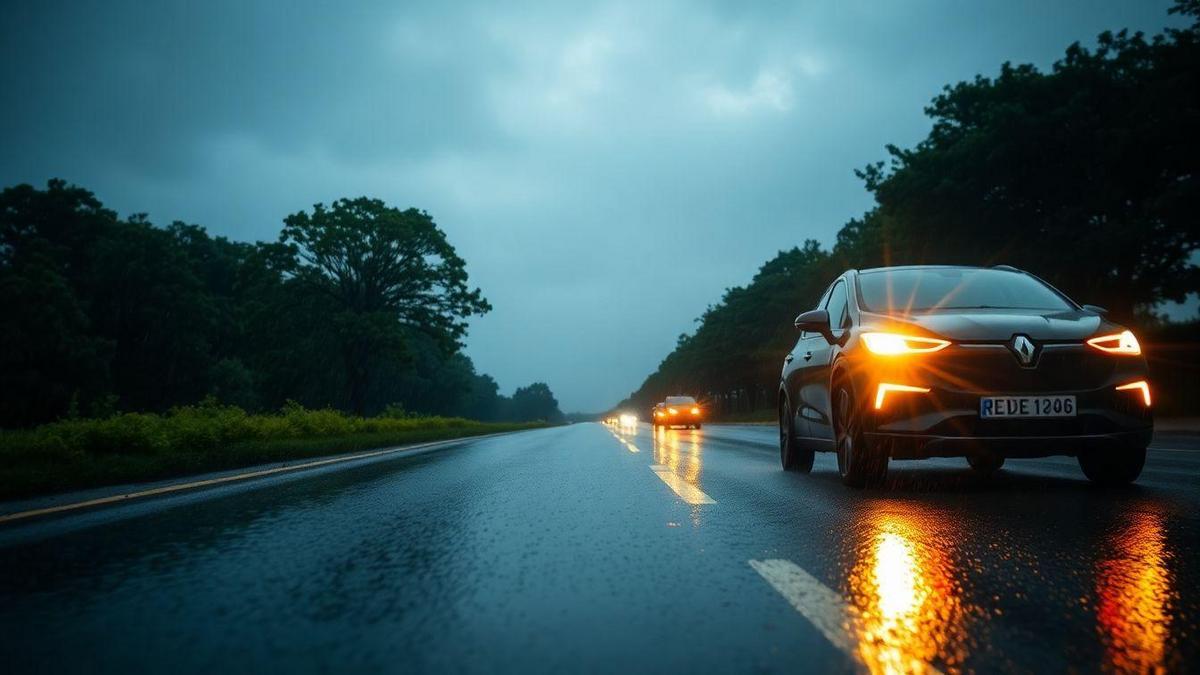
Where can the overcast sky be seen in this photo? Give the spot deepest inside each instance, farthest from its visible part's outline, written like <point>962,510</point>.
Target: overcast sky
<point>606,169</point>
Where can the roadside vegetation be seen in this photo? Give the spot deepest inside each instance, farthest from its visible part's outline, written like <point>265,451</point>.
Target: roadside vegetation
<point>1085,175</point>
<point>356,306</point>
<point>79,453</point>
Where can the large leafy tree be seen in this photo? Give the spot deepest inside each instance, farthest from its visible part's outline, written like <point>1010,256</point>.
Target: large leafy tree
<point>535,402</point>
<point>1087,174</point>
<point>385,271</point>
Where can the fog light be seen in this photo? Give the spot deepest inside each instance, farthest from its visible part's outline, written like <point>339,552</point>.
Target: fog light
<point>885,387</point>
<point>1140,384</point>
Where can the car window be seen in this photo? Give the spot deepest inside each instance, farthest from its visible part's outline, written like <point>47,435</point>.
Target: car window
<point>680,400</point>
<point>804,334</point>
<point>839,312</point>
<point>932,289</point>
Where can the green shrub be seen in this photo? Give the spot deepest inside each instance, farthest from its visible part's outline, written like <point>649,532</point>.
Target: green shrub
<point>79,452</point>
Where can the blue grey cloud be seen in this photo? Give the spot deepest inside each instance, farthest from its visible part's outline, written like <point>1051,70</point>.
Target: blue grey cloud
<point>606,169</point>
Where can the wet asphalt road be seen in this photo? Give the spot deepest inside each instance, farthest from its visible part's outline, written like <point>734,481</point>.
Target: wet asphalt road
<point>590,549</point>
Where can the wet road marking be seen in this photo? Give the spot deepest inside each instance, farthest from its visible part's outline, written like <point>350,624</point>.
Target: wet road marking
<point>192,485</point>
<point>628,446</point>
<point>825,609</point>
<point>686,491</point>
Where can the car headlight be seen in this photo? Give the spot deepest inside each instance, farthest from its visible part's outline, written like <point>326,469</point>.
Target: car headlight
<point>695,411</point>
<point>673,411</point>
<point>1118,343</point>
<point>893,344</point>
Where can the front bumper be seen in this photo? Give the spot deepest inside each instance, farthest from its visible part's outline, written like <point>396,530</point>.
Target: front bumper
<point>678,420</point>
<point>923,446</point>
<point>945,421</point>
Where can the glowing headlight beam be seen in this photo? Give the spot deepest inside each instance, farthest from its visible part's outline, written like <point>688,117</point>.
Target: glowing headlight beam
<point>1117,343</point>
<point>894,344</point>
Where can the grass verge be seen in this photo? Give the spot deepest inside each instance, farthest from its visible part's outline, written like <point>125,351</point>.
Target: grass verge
<point>135,447</point>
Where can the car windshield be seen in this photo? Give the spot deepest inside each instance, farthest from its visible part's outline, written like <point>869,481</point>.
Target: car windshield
<point>932,289</point>
<point>680,400</point>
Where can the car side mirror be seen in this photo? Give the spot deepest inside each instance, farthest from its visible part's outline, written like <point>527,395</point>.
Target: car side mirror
<point>815,321</point>
<point>1095,309</point>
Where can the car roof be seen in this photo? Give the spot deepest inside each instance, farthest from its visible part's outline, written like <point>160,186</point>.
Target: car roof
<point>896,268</point>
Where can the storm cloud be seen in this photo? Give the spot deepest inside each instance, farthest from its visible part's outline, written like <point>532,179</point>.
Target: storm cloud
<point>606,169</point>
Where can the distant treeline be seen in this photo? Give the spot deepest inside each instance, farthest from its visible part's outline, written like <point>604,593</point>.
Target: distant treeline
<point>1087,175</point>
<point>358,306</point>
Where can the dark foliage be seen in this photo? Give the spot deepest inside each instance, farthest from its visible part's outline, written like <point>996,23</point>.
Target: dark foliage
<point>1087,175</point>
<point>358,307</point>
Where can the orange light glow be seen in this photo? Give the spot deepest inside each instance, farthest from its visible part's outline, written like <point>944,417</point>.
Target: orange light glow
<point>1135,595</point>
<point>1117,343</point>
<point>885,387</point>
<point>695,411</point>
<point>673,411</point>
<point>1140,384</point>
<point>894,344</point>
<point>907,611</point>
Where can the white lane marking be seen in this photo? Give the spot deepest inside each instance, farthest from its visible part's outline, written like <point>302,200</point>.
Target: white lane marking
<point>825,609</point>
<point>686,491</point>
<point>628,446</point>
<point>181,487</point>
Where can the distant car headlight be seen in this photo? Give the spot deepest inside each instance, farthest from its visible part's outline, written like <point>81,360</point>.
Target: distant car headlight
<point>894,344</point>
<point>1117,343</point>
<point>628,420</point>
<point>695,411</point>
<point>673,411</point>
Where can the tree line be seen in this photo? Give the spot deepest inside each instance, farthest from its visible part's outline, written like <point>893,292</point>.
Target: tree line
<point>1086,175</point>
<point>357,306</point>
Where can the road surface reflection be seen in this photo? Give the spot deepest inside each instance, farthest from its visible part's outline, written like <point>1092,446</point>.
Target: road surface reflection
<point>681,451</point>
<point>1135,594</point>
<point>907,607</point>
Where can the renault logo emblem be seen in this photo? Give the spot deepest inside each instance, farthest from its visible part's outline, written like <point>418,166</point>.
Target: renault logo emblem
<point>1024,349</point>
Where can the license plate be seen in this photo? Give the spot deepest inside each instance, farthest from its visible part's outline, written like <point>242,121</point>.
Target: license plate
<point>992,407</point>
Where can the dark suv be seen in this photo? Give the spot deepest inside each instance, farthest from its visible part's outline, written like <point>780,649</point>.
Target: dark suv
<point>982,363</point>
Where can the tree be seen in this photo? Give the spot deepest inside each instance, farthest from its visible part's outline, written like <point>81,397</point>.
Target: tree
<point>535,402</point>
<point>1086,175</point>
<point>383,270</point>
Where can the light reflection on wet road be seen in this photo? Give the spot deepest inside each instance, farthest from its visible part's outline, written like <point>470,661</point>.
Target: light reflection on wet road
<point>578,549</point>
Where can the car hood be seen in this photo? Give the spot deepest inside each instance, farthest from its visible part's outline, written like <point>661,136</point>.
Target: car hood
<point>999,324</point>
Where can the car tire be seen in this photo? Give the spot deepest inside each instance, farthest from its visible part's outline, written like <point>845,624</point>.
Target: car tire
<point>985,465</point>
<point>792,455</point>
<point>859,464</point>
<point>1113,468</point>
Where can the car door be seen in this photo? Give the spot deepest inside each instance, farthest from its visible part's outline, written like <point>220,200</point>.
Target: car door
<point>817,357</point>
<point>793,375</point>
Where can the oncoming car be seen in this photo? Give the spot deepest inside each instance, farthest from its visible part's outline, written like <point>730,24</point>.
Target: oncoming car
<point>981,363</point>
<point>677,411</point>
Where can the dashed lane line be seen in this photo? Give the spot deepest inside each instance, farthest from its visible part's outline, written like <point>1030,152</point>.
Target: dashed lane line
<point>824,608</point>
<point>628,446</point>
<point>686,491</point>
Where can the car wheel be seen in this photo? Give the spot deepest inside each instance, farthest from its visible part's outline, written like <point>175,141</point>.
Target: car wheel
<point>858,463</point>
<point>985,465</point>
<point>791,454</point>
<point>1113,467</point>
